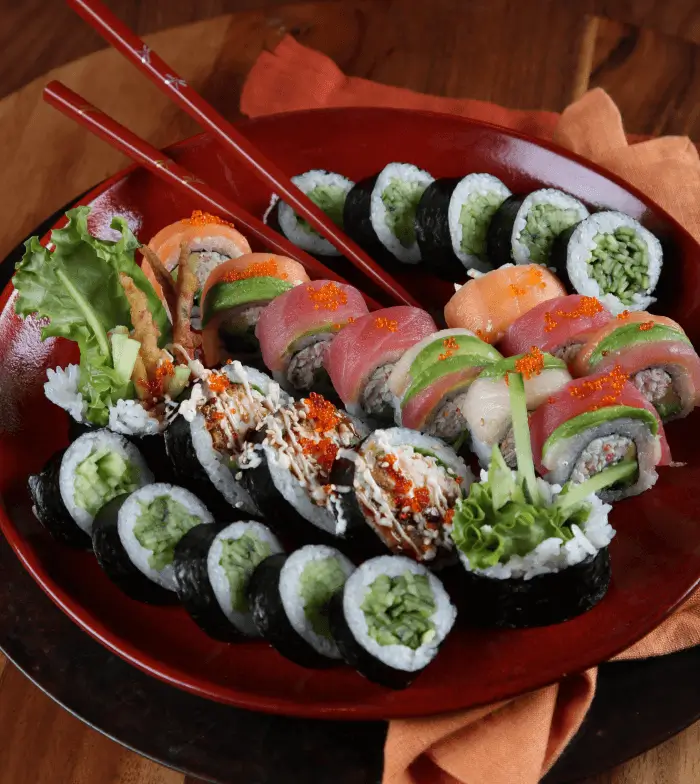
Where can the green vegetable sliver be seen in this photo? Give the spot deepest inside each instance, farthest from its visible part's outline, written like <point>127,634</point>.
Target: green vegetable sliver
<point>400,200</point>
<point>320,580</point>
<point>521,432</point>
<point>102,476</point>
<point>160,525</point>
<point>328,198</point>
<point>474,218</point>
<point>619,263</point>
<point>543,224</point>
<point>576,494</point>
<point>239,558</point>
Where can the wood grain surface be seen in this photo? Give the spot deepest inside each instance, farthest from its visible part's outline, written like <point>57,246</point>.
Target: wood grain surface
<point>537,54</point>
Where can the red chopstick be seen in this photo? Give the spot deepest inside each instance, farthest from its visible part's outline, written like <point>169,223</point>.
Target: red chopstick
<point>115,32</point>
<point>84,113</point>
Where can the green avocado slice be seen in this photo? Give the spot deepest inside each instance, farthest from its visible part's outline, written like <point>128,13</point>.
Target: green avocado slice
<point>593,418</point>
<point>630,334</point>
<point>225,296</point>
<point>467,345</point>
<point>439,369</point>
<point>504,366</point>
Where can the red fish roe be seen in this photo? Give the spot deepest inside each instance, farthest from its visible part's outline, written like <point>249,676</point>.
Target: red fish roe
<point>218,382</point>
<point>260,269</point>
<point>646,326</point>
<point>624,315</point>
<point>390,325</point>
<point>322,412</point>
<point>589,306</point>
<point>328,297</point>
<point>323,451</point>
<point>530,364</point>
<point>612,383</point>
<point>199,218</point>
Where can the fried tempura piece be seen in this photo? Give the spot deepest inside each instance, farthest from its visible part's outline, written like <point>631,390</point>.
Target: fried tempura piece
<point>186,288</point>
<point>145,329</point>
<point>164,278</point>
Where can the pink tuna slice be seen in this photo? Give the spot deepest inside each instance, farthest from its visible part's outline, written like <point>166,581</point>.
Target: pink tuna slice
<point>374,340</point>
<point>318,306</point>
<point>416,413</point>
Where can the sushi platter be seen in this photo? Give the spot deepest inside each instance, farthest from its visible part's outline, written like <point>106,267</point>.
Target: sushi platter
<point>255,484</point>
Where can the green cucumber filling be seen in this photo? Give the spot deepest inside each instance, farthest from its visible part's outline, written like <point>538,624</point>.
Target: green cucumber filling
<point>319,581</point>
<point>160,526</point>
<point>619,263</point>
<point>474,218</point>
<point>544,223</point>
<point>399,610</point>
<point>102,476</point>
<point>401,201</point>
<point>330,199</point>
<point>239,558</point>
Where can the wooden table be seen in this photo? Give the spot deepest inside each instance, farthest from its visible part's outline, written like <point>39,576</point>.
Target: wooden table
<point>537,54</point>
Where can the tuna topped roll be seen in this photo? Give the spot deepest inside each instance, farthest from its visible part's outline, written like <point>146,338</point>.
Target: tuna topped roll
<point>404,485</point>
<point>654,351</point>
<point>361,358</point>
<point>594,423</point>
<point>296,328</point>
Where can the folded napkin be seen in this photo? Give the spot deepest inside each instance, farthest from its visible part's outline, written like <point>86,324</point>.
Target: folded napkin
<point>515,742</point>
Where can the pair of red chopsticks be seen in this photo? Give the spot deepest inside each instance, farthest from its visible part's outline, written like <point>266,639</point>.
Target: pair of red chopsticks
<point>134,49</point>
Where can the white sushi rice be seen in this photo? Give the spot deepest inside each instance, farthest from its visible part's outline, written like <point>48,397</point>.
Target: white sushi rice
<point>400,657</point>
<point>481,185</point>
<point>61,389</point>
<point>289,221</point>
<point>81,449</point>
<point>552,555</point>
<point>406,172</point>
<point>130,418</point>
<point>129,515</point>
<point>521,253</point>
<point>217,575</point>
<point>293,602</point>
<point>581,245</point>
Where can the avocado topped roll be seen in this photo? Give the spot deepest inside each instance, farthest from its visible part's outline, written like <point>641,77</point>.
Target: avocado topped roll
<point>380,212</point>
<point>328,191</point>
<point>612,257</point>
<point>524,228</point>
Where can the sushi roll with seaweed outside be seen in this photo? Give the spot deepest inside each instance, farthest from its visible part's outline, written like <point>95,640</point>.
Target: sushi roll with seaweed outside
<point>328,191</point>
<point>289,599</point>
<point>134,538</point>
<point>213,565</point>
<point>404,486</point>
<point>391,619</point>
<point>452,220</point>
<point>610,256</point>
<point>380,212</point>
<point>76,483</point>
<point>525,227</point>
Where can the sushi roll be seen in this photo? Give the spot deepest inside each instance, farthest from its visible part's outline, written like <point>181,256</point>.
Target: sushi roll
<point>135,535</point>
<point>328,191</point>
<point>487,408</point>
<point>404,486</point>
<point>75,484</point>
<point>234,296</point>
<point>296,328</point>
<point>391,619</point>
<point>654,351</point>
<point>555,326</point>
<point>452,220</point>
<point>524,228</point>
<point>208,437</point>
<point>361,358</point>
<point>610,256</point>
<point>288,473</point>
<point>213,565</point>
<point>380,212</point>
<point>594,423</point>
<point>488,304</point>
<point>289,599</point>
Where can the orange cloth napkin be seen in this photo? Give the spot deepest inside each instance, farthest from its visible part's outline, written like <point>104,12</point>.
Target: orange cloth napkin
<point>515,742</point>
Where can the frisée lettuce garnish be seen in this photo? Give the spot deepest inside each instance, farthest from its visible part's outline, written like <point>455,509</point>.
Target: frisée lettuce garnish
<point>506,514</point>
<point>76,288</point>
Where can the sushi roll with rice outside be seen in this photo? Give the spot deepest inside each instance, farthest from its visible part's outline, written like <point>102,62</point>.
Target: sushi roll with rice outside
<point>134,538</point>
<point>380,212</point>
<point>391,619</point>
<point>612,257</point>
<point>213,565</point>
<point>524,228</point>
<point>452,221</point>
<point>290,597</point>
<point>75,484</point>
<point>328,191</point>
<point>404,486</point>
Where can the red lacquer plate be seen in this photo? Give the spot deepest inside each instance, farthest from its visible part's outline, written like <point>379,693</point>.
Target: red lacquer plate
<point>656,554</point>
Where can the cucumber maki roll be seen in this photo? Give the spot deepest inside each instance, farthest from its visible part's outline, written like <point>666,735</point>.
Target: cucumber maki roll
<point>612,257</point>
<point>524,228</point>
<point>328,191</point>
<point>75,484</point>
<point>213,565</point>
<point>380,212</point>
<point>290,596</point>
<point>134,538</point>
<point>452,220</point>
<point>391,619</point>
